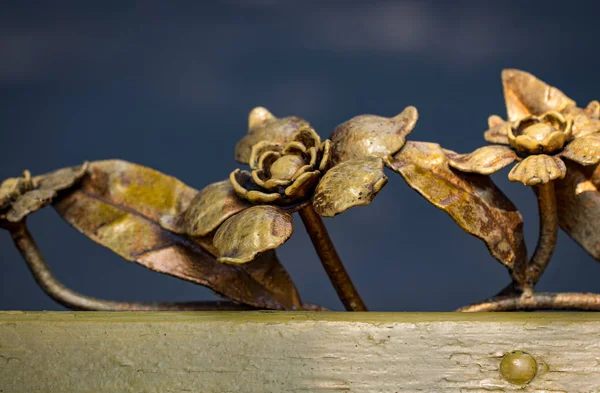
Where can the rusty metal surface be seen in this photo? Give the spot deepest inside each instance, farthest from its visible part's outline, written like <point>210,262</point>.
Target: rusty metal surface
<point>472,200</point>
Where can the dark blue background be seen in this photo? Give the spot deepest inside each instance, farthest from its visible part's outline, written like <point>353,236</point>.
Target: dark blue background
<point>170,87</point>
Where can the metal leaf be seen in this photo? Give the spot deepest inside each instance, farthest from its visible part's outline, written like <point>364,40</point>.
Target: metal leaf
<point>253,231</point>
<point>210,207</point>
<point>485,160</point>
<point>367,136</point>
<point>584,150</point>
<point>578,201</point>
<point>351,183</point>
<point>472,200</point>
<point>119,205</point>
<point>527,95</point>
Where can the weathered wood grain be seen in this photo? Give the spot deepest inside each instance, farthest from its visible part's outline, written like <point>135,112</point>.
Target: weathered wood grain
<point>293,352</point>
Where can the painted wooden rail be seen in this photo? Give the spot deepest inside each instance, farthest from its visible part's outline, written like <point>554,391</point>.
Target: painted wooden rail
<point>294,352</point>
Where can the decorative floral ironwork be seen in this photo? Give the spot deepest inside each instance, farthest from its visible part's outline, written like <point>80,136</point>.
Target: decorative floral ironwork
<point>547,136</point>
<point>290,170</point>
<point>293,170</point>
<point>539,143</point>
<point>554,141</point>
<point>224,236</point>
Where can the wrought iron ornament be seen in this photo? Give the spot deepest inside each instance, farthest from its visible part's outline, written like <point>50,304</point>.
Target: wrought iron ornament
<point>225,235</point>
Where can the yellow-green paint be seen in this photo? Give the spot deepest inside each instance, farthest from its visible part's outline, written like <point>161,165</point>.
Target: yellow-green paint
<point>294,351</point>
<point>296,316</point>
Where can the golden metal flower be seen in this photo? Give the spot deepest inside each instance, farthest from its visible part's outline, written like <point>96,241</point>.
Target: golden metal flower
<point>291,169</point>
<point>544,126</point>
<point>21,196</point>
<point>536,135</point>
<point>283,174</point>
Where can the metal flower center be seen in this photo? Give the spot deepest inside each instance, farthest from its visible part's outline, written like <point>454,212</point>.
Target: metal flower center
<point>539,131</point>
<point>285,167</point>
<point>540,135</point>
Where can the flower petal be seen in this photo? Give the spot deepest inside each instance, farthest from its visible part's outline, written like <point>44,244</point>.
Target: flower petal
<point>538,169</point>
<point>210,207</point>
<point>266,160</point>
<point>308,137</point>
<point>276,183</point>
<point>494,121</point>
<point>584,150</point>
<point>351,183</point>
<point>371,136</point>
<point>525,95</point>
<point>325,152</point>
<point>589,126</point>
<point>313,153</point>
<point>294,147</point>
<point>593,109</point>
<point>498,131</point>
<point>557,121</point>
<point>242,237</point>
<point>258,177</point>
<point>255,196</point>
<point>263,126</point>
<point>241,182</point>
<point>485,160</point>
<point>301,171</point>
<point>260,149</point>
<point>578,202</point>
<point>302,185</point>
<point>585,121</point>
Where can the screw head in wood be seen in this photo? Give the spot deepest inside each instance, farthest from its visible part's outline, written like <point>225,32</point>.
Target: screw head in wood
<point>518,367</point>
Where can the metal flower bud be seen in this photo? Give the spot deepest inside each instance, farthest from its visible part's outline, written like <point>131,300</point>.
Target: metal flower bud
<point>540,134</point>
<point>24,195</point>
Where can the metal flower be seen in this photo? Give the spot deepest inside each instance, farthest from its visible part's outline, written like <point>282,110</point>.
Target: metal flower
<point>21,196</point>
<point>539,133</point>
<point>291,170</point>
<point>283,174</point>
<point>536,135</point>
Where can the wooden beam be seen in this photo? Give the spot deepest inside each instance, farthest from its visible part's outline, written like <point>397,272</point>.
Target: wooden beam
<point>293,352</point>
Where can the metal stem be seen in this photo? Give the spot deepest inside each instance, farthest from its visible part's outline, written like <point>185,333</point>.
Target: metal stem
<point>548,233</point>
<point>330,259</point>
<point>538,301</point>
<point>526,275</point>
<point>73,300</point>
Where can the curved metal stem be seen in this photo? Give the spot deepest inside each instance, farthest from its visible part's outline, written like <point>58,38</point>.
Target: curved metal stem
<point>548,233</point>
<point>331,260</point>
<point>538,301</point>
<point>526,276</point>
<point>73,300</point>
